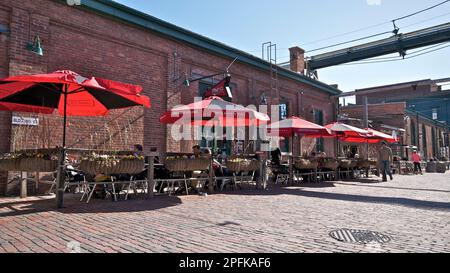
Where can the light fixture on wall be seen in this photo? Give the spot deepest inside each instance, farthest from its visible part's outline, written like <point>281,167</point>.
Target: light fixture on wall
<point>263,99</point>
<point>35,46</point>
<point>187,82</point>
<point>225,73</point>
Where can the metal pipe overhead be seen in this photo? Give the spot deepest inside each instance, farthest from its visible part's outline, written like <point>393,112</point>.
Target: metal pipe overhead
<point>398,43</point>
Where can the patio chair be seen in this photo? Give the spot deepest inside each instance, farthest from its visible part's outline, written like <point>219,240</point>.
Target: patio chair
<point>178,179</point>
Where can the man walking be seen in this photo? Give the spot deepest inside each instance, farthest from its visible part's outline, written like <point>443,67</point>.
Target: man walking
<point>385,159</point>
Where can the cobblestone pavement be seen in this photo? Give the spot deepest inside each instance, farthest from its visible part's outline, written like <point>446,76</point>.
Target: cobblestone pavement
<point>413,210</point>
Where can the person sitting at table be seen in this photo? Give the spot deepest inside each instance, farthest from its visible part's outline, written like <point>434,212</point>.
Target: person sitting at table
<point>196,150</point>
<point>216,165</point>
<point>275,156</point>
<point>138,150</point>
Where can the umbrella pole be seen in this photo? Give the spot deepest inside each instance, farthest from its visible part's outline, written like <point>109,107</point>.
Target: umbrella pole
<point>367,149</point>
<point>61,160</point>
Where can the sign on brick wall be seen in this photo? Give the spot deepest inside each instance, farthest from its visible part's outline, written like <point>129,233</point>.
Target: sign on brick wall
<point>16,120</point>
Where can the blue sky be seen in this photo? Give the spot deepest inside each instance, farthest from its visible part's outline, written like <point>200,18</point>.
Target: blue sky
<point>246,24</point>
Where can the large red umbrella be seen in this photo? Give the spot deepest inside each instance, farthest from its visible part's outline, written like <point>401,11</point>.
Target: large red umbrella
<point>69,93</point>
<point>13,107</point>
<point>373,137</point>
<point>345,130</point>
<point>214,111</point>
<point>72,95</point>
<point>295,125</point>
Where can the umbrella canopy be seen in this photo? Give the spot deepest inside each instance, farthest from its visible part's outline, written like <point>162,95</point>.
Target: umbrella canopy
<point>344,130</point>
<point>72,95</point>
<point>85,97</point>
<point>214,111</point>
<point>296,125</point>
<point>373,137</point>
<point>13,107</point>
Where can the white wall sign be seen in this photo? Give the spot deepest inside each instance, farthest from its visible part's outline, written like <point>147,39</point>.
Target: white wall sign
<point>16,120</point>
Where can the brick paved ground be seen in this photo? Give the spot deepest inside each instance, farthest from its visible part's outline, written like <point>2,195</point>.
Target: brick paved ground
<point>413,210</point>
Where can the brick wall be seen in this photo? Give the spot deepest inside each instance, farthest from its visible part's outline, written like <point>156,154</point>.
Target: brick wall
<point>389,94</point>
<point>93,45</point>
<point>5,118</point>
<point>393,114</point>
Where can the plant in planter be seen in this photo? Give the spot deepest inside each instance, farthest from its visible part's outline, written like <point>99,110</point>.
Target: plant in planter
<point>28,162</point>
<point>111,164</point>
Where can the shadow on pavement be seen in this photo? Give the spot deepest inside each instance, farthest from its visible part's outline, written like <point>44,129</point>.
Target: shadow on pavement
<point>73,205</point>
<point>387,187</point>
<point>305,192</point>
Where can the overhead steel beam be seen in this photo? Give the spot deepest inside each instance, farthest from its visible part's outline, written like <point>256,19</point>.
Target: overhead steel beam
<point>399,43</point>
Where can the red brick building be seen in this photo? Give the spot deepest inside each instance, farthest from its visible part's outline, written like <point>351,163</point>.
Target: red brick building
<point>109,40</point>
<point>413,128</point>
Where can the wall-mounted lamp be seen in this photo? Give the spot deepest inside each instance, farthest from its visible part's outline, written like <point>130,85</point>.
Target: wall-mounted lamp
<point>35,46</point>
<point>187,82</point>
<point>263,99</point>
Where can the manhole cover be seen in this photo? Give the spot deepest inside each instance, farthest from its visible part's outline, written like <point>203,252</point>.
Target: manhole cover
<point>359,236</point>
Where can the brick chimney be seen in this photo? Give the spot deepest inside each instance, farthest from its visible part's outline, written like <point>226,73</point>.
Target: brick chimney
<point>297,59</point>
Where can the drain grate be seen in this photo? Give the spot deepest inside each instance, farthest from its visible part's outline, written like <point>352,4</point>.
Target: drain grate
<point>359,236</point>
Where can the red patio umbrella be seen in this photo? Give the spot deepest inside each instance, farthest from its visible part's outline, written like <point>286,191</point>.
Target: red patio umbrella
<point>345,130</point>
<point>69,93</point>
<point>214,111</point>
<point>295,125</point>
<point>72,95</point>
<point>373,137</point>
<point>13,107</point>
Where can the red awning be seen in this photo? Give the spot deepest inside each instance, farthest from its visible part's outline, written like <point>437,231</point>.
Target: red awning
<point>296,125</point>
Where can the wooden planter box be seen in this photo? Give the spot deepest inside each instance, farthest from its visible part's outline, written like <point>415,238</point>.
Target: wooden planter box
<point>431,167</point>
<point>10,164</point>
<point>28,165</point>
<point>363,164</point>
<point>187,164</point>
<point>441,167</point>
<point>347,163</point>
<point>243,165</point>
<point>305,164</point>
<point>328,163</point>
<point>109,167</point>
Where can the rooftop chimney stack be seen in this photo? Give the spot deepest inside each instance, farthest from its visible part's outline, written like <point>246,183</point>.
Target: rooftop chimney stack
<point>297,59</point>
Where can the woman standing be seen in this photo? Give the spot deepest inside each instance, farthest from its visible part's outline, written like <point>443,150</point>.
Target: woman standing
<point>416,159</point>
